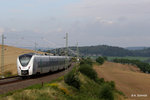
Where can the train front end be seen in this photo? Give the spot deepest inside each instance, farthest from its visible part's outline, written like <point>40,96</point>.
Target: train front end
<point>25,65</point>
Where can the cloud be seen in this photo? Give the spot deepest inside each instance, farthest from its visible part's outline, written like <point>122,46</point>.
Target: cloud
<point>86,21</point>
<point>59,30</point>
<point>109,9</point>
<point>1,31</point>
<point>29,5</point>
<point>16,11</point>
<point>13,30</point>
<point>103,21</point>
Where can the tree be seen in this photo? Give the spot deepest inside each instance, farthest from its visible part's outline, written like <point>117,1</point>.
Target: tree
<point>100,60</point>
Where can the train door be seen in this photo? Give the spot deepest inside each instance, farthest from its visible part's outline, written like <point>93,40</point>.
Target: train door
<point>35,65</point>
<point>41,69</point>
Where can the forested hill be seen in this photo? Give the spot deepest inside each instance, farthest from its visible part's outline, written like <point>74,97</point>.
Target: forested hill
<point>105,50</point>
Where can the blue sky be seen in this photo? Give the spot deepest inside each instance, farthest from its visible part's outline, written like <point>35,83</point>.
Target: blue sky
<point>89,22</point>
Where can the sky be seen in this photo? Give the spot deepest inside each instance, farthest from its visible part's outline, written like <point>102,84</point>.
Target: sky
<point>121,23</point>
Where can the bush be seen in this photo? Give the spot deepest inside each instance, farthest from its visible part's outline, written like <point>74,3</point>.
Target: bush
<point>112,84</point>
<point>100,81</point>
<point>88,71</point>
<point>105,58</point>
<point>100,60</point>
<point>87,61</point>
<point>106,92</point>
<point>72,79</point>
<point>7,73</point>
<point>82,62</point>
<point>145,67</point>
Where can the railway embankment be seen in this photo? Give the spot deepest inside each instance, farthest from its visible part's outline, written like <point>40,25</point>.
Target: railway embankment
<point>82,83</point>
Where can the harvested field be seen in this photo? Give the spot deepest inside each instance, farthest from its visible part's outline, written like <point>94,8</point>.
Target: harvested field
<point>11,54</point>
<point>129,79</point>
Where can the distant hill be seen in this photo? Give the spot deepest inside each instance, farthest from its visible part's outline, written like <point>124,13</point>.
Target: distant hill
<point>136,48</point>
<point>105,50</point>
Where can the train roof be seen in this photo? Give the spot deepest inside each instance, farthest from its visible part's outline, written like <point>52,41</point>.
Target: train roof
<point>35,54</point>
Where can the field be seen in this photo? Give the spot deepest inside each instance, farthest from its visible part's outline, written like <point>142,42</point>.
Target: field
<point>128,79</point>
<point>131,58</point>
<point>10,58</point>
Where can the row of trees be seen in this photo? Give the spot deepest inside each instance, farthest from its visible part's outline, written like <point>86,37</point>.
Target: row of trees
<point>145,67</point>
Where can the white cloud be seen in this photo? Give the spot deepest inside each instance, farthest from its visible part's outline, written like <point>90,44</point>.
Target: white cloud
<point>1,31</point>
<point>84,20</point>
<point>59,30</point>
<point>103,21</point>
<point>13,30</point>
<point>109,9</point>
<point>16,11</point>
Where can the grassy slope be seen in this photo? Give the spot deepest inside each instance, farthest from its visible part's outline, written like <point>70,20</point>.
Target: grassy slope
<point>128,78</point>
<point>58,90</point>
<point>11,54</point>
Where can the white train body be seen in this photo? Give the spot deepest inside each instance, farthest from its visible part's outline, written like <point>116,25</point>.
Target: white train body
<point>31,64</point>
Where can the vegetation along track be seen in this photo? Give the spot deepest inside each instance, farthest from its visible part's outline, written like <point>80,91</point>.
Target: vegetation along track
<point>18,83</point>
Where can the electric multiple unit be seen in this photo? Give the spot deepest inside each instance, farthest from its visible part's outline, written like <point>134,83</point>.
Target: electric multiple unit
<point>31,64</point>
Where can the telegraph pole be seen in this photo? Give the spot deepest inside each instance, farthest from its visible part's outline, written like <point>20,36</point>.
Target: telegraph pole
<point>77,53</point>
<point>66,44</point>
<point>2,57</point>
<point>66,53</point>
<point>35,47</point>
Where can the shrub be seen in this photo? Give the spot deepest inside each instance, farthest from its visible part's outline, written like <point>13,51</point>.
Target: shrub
<point>65,91</point>
<point>100,81</point>
<point>105,58</point>
<point>100,60</point>
<point>145,67</point>
<point>87,61</point>
<point>72,79</point>
<point>7,73</point>
<point>54,85</point>
<point>106,92</point>
<point>82,62</point>
<point>112,84</point>
<point>88,71</point>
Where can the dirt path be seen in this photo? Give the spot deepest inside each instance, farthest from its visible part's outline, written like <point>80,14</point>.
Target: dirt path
<point>133,83</point>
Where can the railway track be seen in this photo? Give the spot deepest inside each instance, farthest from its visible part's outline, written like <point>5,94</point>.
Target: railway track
<point>8,77</point>
<point>15,83</point>
<point>9,80</point>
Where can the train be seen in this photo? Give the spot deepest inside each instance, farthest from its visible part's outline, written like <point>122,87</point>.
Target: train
<point>33,64</point>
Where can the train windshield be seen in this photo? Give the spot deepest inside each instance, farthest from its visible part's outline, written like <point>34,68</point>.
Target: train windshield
<point>24,59</point>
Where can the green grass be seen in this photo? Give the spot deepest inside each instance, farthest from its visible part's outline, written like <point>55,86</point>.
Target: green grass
<point>131,58</point>
<point>58,90</point>
<point>36,86</point>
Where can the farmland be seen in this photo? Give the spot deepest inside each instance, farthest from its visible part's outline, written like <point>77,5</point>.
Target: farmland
<point>129,79</point>
<point>10,58</point>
